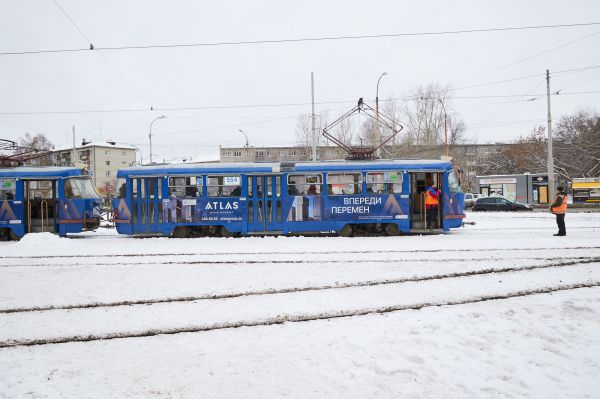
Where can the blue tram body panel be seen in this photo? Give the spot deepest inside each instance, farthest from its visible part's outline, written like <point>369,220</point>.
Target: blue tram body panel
<point>33,199</point>
<point>151,203</point>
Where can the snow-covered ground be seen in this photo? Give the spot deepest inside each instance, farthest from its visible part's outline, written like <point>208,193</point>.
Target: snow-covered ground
<point>498,309</point>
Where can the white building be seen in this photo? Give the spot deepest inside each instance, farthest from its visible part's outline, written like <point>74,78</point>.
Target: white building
<point>101,158</point>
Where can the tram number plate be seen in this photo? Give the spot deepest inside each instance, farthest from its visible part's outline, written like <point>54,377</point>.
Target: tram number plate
<point>231,181</point>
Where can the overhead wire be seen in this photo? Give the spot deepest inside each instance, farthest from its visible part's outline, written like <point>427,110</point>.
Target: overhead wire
<point>532,56</point>
<point>305,39</point>
<point>110,64</point>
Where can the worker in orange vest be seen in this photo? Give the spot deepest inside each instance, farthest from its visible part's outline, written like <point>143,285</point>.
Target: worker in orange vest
<point>432,202</point>
<point>559,208</point>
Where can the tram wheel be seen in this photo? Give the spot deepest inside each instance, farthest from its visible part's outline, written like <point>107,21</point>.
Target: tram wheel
<point>346,231</point>
<point>13,236</point>
<point>226,233</point>
<point>181,232</point>
<point>391,229</point>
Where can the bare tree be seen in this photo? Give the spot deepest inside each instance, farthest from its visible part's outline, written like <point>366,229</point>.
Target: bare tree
<point>40,143</point>
<point>425,114</point>
<point>343,132</point>
<point>577,141</point>
<point>304,133</point>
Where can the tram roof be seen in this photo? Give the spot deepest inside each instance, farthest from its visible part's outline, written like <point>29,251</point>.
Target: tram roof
<point>287,167</point>
<point>39,171</point>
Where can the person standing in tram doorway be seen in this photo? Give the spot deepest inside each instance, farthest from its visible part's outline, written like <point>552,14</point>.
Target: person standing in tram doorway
<point>559,208</point>
<point>432,202</point>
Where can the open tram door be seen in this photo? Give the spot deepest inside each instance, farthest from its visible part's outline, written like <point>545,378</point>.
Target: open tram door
<point>420,219</point>
<point>264,204</point>
<point>41,205</point>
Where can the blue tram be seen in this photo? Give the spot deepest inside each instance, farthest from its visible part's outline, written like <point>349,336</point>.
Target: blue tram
<point>333,197</point>
<point>46,199</point>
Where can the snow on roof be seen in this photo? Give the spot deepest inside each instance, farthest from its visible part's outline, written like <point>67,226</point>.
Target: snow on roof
<point>98,143</point>
<point>201,158</point>
<point>37,171</point>
<point>269,167</point>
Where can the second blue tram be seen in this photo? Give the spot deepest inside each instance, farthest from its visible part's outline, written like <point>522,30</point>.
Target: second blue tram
<point>333,197</point>
<point>46,199</point>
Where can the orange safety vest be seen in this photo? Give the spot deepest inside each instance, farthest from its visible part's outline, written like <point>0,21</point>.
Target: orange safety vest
<point>430,199</point>
<point>562,208</point>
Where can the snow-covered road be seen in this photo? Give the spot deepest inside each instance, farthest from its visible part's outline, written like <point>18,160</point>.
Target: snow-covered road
<point>160,293</point>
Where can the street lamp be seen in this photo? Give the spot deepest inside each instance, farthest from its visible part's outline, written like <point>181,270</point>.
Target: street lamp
<point>242,132</point>
<point>445,126</point>
<point>150,135</point>
<point>377,114</point>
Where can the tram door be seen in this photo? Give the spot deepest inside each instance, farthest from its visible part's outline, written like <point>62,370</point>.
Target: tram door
<point>147,204</point>
<point>264,203</point>
<point>419,215</point>
<point>41,212</point>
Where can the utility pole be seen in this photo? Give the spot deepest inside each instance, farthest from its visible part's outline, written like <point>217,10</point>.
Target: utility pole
<point>377,139</point>
<point>314,135</point>
<point>74,152</point>
<point>550,155</point>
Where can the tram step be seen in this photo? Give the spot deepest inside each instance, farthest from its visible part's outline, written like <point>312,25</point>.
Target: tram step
<point>419,225</point>
<point>41,229</point>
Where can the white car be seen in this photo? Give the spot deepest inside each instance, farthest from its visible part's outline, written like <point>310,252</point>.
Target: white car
<point>470,199</point>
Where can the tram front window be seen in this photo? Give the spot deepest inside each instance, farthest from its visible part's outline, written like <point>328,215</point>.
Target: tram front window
<point>80,188</point>
<point>7,189</point>
<point>453,182</point>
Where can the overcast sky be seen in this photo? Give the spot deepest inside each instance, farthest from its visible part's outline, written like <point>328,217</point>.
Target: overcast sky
<point>279,73</point>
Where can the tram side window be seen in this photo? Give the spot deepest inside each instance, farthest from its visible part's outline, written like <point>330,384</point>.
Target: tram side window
<point>7,189</point>
<point>224,186</point>
<point>344,183</point>
<point>384,182</point>
<point>122,187</point>
<point>305,184</point>
<point>185,186</point>
<point>79,188</point>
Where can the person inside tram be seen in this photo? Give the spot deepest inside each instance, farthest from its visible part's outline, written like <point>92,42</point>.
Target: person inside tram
<point>312,190</point>
<point>69,189</point>
<point>191,191</point>
<point>122,190</point>
<point>431,204</point>
<point>236,192</point>
<point>292,190</point>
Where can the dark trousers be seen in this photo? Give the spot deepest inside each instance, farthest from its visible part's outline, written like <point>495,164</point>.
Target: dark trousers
<point>432,215</point>
<point>560,221</point>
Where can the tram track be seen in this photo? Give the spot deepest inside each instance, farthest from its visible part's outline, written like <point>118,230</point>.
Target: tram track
<point>249,253</point>
<point>288,290</point>
<point>272,261</point>
<point>288,318</point>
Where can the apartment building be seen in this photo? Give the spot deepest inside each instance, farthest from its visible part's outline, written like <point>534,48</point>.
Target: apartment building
<point>464,153</point>
<point>102,159</point>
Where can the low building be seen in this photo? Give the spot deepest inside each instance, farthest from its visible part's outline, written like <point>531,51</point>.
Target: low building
<point>586,189</point>
<point>464,153</point>
<point>276,154</point>
<point>526,188</point>
<point>102,159</point>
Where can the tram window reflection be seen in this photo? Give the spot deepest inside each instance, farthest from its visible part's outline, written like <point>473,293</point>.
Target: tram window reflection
<point>305,184</point>
<point>384,182</point>
<point>224,186</point>
<point>344,183</point>
<point>186,186</point>
<point>7,189</point>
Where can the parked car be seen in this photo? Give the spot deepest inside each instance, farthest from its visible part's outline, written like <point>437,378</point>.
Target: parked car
<point>499,204</point>
<point>470,198</point>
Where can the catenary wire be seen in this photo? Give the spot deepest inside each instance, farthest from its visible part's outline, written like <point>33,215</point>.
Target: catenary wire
<point>110,64</point>
<point>306,39</point>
